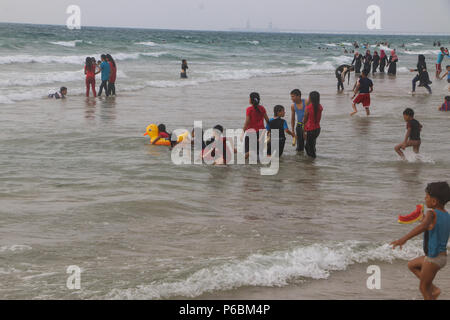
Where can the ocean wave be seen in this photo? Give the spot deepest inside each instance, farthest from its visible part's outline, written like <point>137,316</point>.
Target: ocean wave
<point>148,43</point>
<point>15,248</point>
<point>276,269</point>
<point>434,52</point>
<point>71,44</point>
<point>79,59</point>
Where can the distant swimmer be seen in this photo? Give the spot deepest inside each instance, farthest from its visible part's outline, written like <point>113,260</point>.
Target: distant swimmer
<point>422,75</point>
<point>341,72</point>
<point>393,59</point>
<point>383,60</point>
<point>184,68</point>
<point>440,58</point>
<point>61,94</point>
<point>357,62</point>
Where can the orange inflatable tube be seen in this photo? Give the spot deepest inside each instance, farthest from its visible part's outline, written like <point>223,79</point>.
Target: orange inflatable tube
<point>414,216</point>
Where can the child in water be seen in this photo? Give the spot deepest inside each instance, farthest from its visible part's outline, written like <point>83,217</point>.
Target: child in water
<point>363,88</point>
<point>278,123</point>
<point>61,94</point>
<point>184,68</point>
<point>447,74</point>
<point>446,105</point>
<point>211,149</point>
<point>436,228</point>
<point>163,134</point>
<point>412,137</point>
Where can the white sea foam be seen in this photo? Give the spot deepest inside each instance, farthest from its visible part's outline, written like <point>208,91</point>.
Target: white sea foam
<point>433,52</point>
<point>79,59</point>
<point>276,269</point>
<point>15,248</point>
<point>67,43</point>
<point>147,43</point>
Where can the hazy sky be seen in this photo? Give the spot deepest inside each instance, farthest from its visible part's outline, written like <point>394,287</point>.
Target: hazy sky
<point>307,15</point>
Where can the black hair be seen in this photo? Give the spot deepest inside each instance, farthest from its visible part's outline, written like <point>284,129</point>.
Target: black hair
<point>218,128</point>
<point>103,56</point>
<point>89,65</point>
<point>278,108</point>
<point>110,58</point>
<point>440,191</point>
<point>162,128</point>
<point>447,66</point>
<point>314,97</point>
<point>296,92</point>
<point>409,112</point>
<point>255,99</point>
<point>62,89</point>
<point>447,98</point>
<point>365,73</point>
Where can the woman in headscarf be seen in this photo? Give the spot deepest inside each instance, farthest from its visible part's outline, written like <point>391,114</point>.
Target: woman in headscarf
<point>367,61</point>
<point>393,59</point>
<point>357,61</point>
<point>376,62</point>
<point>422,76</point>
<point>383,60</point>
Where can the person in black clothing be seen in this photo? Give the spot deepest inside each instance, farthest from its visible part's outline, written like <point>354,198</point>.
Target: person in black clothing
<point>341,72</point>
<point>422,76</point>
<point>367,61</point>
<point>184,68</point>
<point>412,137</point>
<point>393,59</point>
<point>383,60</point>
<point>375,62</point>
<point>357,61</point>
<point>278,123</point>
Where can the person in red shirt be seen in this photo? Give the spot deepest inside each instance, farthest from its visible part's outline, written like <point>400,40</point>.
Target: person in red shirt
<point>90,72</point>
<point>112,75</point>
<point>311,119</point>
<point>254,121</point>
<point>163,134</point>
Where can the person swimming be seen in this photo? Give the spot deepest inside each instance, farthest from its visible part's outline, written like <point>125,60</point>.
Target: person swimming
<point>61,94</point>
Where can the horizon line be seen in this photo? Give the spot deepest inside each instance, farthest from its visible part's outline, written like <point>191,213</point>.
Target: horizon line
<point>255,30</point>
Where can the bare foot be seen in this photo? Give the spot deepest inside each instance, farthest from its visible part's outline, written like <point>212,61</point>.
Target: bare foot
<point>353,113</point>
<point>436,292</point>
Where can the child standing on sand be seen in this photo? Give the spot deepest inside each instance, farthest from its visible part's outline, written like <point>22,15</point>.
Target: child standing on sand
<point>412,137</point>
<point>436,228</point>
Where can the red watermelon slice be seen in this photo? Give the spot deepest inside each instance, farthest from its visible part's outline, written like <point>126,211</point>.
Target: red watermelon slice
<point>413,216</point>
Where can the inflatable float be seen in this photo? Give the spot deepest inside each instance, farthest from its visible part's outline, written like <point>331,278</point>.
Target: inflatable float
<point>152,132</point>
<point>414,216</point>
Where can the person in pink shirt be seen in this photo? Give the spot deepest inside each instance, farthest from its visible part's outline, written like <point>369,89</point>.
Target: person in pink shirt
<point>254,121</point>
<point>112,75</point>
<point>90,72</point>
<point>311,119</point>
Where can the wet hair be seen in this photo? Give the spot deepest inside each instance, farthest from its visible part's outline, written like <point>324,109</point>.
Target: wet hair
<point>277,109</point>
<point>162,128</point>
<point>110,58</point>
<point>89,65</point>
<point>103,56</point>
<point>296,92</point>
<point>219,128</point>
<point>314,97</point>
<point>62,89</point>
<point>447,98</point>
<point>409,112</point>
<point>440,191</point>
<point>255,99</point>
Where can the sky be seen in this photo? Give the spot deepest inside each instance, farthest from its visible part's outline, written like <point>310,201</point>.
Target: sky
<point>397,16</point>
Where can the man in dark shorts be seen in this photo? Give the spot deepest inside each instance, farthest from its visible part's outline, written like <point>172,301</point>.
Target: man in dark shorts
<point>363,89</point>
<point>341,72</point>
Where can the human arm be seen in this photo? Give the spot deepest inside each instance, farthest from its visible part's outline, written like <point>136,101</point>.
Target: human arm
<point>293,118</point>
<point>356,90</point>
<point>426,222</point>
<point>156,140</point>
<point>446,74</point>
<point>305,120</point>
<point>371,89</point>
<point>408,133</point>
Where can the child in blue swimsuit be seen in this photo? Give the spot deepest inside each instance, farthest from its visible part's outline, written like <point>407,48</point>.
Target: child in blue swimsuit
<point>436,228</point>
